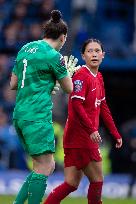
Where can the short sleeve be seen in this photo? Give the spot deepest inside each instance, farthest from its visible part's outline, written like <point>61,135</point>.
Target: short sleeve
<point>14,70</point>
<point>79,87</point>
<point>59,68</point>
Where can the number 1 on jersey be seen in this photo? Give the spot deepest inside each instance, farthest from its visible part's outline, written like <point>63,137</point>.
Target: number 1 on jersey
<point>24,71</point>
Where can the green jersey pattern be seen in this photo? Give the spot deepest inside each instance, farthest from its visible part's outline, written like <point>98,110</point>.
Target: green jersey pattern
<point>37,67</point>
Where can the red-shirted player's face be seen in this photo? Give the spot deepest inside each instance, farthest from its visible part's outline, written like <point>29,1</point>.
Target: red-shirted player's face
<point>93,55</point>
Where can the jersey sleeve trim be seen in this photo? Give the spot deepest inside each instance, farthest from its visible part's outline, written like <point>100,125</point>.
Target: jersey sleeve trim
<point>75,96</point>
<point>13,72</point>
<point>63,76</point>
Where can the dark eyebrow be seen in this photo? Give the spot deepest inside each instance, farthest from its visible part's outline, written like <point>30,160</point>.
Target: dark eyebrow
<point>97,49</point>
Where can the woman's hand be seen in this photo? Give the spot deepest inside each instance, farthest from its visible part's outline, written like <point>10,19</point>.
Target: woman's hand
<point>56,88</point>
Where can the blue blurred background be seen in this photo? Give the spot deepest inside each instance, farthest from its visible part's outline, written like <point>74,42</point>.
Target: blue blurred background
<point>113,22</point>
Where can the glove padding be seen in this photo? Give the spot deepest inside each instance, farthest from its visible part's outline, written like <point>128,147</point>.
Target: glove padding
<point>56,88</point>
<point>71,64</point>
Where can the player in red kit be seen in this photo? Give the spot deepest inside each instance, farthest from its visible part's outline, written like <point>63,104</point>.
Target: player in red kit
<point>87,104</point>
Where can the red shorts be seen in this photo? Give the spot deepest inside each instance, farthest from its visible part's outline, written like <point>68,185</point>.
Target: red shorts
<point>80,157</point>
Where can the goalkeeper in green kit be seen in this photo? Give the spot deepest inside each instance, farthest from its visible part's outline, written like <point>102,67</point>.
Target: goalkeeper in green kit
<point>38,65</point>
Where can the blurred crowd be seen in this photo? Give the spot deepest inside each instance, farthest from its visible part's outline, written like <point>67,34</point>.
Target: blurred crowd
<point>21,21</point>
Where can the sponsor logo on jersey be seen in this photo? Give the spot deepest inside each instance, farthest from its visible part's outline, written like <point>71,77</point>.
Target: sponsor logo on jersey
<point>97,102</point>
<point>78,84</point>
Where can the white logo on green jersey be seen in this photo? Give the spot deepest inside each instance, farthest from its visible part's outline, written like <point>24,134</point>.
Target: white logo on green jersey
<point>31,50</point>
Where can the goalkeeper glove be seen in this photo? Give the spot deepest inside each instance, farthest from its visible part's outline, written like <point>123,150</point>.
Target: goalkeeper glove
<point>56,88</point>
<point>71,64</point>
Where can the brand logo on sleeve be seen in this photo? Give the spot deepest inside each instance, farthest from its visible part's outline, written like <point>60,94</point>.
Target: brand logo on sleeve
<point>93,89</point>
<point>62,61</point>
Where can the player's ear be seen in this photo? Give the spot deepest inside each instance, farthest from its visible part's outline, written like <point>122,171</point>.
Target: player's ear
<point>62,38</point>
<point>103,55</point>
<point>83,57</point>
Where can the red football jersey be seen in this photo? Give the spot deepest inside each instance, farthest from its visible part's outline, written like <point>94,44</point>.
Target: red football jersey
<point>88,88</point>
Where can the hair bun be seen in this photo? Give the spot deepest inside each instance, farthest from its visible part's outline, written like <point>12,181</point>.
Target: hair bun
<point>56,16</point>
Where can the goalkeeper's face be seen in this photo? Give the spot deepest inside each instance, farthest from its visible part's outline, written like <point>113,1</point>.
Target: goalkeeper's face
<point>93,55</point>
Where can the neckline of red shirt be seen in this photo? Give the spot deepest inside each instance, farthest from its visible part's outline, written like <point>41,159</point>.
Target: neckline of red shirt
<point>89,70</point>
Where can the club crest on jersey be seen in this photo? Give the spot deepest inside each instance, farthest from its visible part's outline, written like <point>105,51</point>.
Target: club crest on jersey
<point>78,84</point>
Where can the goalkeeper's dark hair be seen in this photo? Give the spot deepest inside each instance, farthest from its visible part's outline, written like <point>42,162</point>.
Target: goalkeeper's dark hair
<point>89,41</point>
<point>55,26</point>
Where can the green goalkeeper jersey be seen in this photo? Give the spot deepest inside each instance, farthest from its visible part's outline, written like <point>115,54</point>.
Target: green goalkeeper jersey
<point>37,68</point>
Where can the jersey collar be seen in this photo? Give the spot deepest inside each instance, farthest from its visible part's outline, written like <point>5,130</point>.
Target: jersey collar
<point>90,71</point>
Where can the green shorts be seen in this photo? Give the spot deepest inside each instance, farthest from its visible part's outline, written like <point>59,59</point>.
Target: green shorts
<point>37,137</point>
